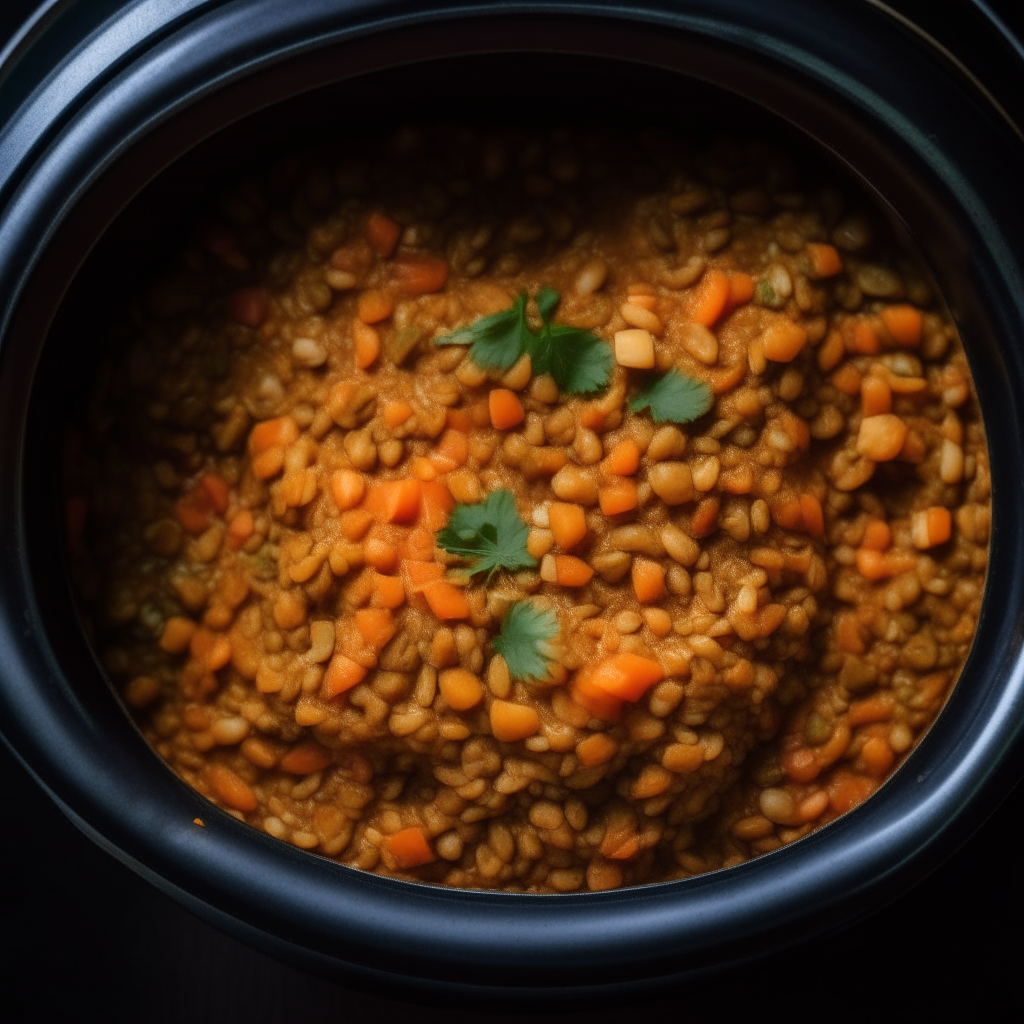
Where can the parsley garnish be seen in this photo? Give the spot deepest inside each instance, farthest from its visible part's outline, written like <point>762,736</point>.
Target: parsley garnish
<point>491,533</point>
<point>674,398</point>
<point>495,341</point>
<point>524,640</point>
<point>579,361</point>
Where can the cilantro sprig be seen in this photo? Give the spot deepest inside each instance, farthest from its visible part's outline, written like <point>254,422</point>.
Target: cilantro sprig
<point>674,398</point>
<point>495,341</point>
<point>580,362</point>
<point>525,640</point>
<point>491,533</point>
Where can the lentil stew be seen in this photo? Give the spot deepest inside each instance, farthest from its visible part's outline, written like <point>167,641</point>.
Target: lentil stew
<point>543,512</point>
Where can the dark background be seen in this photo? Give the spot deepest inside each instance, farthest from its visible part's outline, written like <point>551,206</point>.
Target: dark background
<point>84,938</point>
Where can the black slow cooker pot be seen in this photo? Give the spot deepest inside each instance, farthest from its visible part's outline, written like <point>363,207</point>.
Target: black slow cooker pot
<point>116,116</point>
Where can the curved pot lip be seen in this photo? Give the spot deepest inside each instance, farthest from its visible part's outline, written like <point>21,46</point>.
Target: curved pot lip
<point>346,912</point>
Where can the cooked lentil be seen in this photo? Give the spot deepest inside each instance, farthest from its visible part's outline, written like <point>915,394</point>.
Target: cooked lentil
<point>789,585</point>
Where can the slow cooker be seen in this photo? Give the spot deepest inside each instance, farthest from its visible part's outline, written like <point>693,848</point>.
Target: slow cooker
<point>117,116</point>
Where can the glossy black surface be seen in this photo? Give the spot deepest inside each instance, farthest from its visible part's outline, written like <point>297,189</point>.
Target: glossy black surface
<point>939,154</point>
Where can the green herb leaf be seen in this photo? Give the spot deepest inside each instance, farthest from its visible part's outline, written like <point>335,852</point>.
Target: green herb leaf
<point>674,398</point>
<point>495,341</point>
<point>490,533</point>
<point>524,640</point>
<point>579,361</point>
<point>547,302</point>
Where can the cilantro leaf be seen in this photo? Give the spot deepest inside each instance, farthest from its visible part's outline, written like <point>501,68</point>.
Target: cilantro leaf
<point>495,341</point>
<point>547,302</point>
<point>490,533</point>
<point>579,361</point>
<point>524,640</point>
<point>674,398</point>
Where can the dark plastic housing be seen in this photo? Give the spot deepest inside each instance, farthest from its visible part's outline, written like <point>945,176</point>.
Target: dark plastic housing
<point>107,103</point>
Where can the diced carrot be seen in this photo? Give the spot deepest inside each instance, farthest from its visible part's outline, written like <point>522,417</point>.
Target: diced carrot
<point>825,259</point>
<point>873,709</point>
<point>355,523</point>
<point>710,297</point>
<point>459,419</point>
<point>419,274</point>
<point>342,674</point>
<point>376,626</point>
<point>621,495</point>
<point>741,288</point>
<point>306,757</point>
<point>422,468</point>
<point>380,553</point>
<point>382,233</point>
<point>831,353</point>
<point>904,323</point>
<point>877,535</point>
<point>249,306</point>
<point>571,571</point>
<point>847,379</point>
<point>511,722</point>
<point>177,634</point>
<point>231,789</point>
<point>505,408</point>
<point>848,633</point>
<point>783,340</point>
<point>801,765</point>
<point>626,676</point>
<point>446,601</point>
<point>460,688</point>
<point>813,515</point>
<point>846,791</point>
<point>623,459</point>
<point>601,704</point>
<point>452,450</point>
<point>436,504</point>
<point>597,748</point>
<point>347,488</point>
<point>877,756</point>
<point>875,395</point>
<point>373,306</point>
<point>704,520</point>
<point>872,564</point>
<point>930,527</point>
<point>268,464</point>
<point>192,519</point>
<point>395,501</point>
<point>240,529</point>
<point>409,848</point>
<point>786,511</point>
<point>396,413</point>
<point>616,847</point>
<point>416,575</point>
<point>418,545</point>
<point>276,433</point>
<point>212,490</point>
<point>366,343</point>
<point>568,524</point>
<point>860,336</point>
<point>648,580</point>
<point>387,592</point>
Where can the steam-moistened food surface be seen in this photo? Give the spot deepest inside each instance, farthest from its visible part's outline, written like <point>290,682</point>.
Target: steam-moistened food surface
<point>545,512</point>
